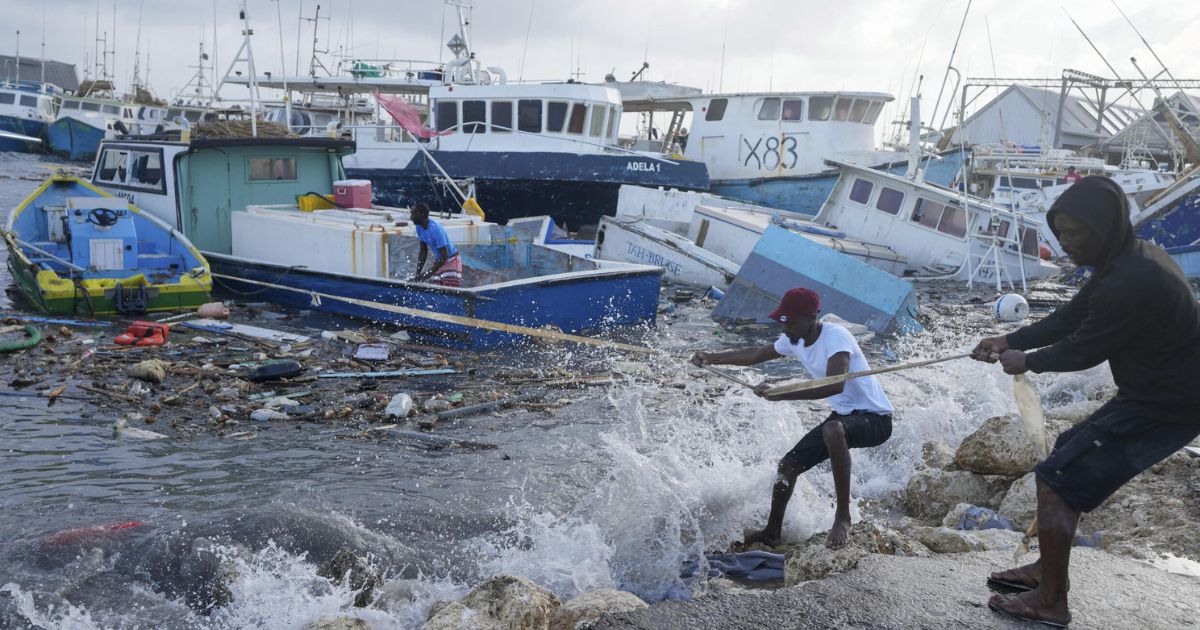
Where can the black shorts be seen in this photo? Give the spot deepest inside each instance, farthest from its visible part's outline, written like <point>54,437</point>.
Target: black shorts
<point>1093,459</point>
<point>864,429</point>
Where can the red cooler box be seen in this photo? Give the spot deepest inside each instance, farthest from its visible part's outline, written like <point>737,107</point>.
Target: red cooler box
<point>352,193</point>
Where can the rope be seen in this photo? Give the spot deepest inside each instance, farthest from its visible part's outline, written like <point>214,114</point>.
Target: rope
<point>451,319</point>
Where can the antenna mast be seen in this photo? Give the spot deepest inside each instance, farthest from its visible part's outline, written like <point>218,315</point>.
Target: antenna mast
<point>246,49</point>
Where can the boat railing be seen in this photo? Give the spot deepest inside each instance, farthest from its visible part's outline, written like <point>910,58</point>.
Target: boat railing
<point>380,130</point>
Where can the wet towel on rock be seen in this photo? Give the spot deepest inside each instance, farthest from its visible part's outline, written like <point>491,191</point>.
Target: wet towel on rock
<point>753,565</point>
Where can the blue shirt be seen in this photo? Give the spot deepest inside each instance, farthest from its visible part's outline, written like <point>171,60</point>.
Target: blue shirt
<point>436,238</point>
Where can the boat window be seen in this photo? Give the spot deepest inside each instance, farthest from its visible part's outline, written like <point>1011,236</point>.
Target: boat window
<point>927,212</point>
<point>793,109</point>
<point>502,117</point>
<point>172,114</point>
<point>556,115</point>
<point>597,125</point>
<point>7,99</point>
<point>858,109</point>
<point>474,114</point>
<point>529,116</point>
<point>873,112</point>
<point>111,109</point>
<point>860,191</point>
<point>890,200</point>
<point>273,169</point>
<point>447,115</point>
<point>841,110</point>
<point>28,101</point>
<point>146,171</point>
<point>70,105</point>
<point>578,114</point>
<point>1027,183</point>
<point>954,221</point>
<point>716,109</point>
<point>819,107</point>
<point>1003,231</point>
<point>769,110</point>
<point>192,116</point>
<point>613,116</point>
<point>1029,242</point>
<point>89,107</point>
<point>112,167</point>
<point>128,113</point>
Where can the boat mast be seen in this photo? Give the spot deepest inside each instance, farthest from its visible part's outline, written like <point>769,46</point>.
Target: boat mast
<point>248,50</point>
<point>43,81</point>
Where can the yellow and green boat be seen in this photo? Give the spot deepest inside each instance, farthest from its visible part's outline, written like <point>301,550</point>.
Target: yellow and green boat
<point>73,248</point>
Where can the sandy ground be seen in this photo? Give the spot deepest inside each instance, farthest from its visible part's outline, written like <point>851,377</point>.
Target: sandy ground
<point>940,591</point>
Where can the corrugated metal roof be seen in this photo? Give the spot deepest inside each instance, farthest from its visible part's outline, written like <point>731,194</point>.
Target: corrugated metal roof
<point>57,72</point>
<point>1079,115</point>
<point>1160,136</point>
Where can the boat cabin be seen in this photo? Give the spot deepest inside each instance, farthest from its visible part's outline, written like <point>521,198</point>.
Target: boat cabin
<point>940,232</point>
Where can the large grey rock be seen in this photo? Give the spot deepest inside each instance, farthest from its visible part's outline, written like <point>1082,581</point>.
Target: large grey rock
<point>1020,502</point>
<point>947,540</point>
<point>587,607</point>
<point>937,454</point>
<point>998,447</point>
<point>355,572</point>
<point>932,492</point>
<point>503,602</point>
<point>812,560</point>
<point>338,623</point>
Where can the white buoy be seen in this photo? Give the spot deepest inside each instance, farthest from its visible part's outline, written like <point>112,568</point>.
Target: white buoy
<point>1011,308</point>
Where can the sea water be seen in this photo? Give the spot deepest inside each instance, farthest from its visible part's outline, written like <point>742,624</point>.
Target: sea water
<point>618,489</point>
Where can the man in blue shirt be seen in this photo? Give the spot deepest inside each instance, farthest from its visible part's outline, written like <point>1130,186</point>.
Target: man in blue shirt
<point>447,265</point>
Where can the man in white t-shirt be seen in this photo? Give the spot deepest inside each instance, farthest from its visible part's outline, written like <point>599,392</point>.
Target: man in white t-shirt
<point>861,418</point>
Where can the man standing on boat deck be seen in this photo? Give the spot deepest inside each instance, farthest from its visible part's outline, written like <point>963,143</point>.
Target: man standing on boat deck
<point>1072,176</point>
<point>447,264</point>
<point>1138,313</point>
<point>861,418</point>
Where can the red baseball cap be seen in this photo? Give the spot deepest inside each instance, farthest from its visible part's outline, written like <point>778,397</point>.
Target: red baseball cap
<point>797,302</point>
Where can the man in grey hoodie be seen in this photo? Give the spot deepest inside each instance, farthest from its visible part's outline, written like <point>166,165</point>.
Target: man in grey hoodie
<point>1138,313</point>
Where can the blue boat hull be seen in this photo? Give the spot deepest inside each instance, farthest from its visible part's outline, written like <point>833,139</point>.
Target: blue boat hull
<point>806,194</point>
<point>25,127</point>
<point>1177,226</point>
<point>850,288</point>
<point>74,139</point>
<point>575,189</point>
<point>1188,259</point>
<point>571,304</point>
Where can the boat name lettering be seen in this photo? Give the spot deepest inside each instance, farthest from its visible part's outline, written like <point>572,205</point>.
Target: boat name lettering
<point>642,166</point>
<point>776,153</point>
<point>653,258</point>
<point>120,193</point>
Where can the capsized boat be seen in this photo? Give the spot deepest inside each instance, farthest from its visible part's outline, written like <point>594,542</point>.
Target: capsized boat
<point>73,248</point>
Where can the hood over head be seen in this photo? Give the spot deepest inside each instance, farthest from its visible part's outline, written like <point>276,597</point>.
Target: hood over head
<point>1099,203</point>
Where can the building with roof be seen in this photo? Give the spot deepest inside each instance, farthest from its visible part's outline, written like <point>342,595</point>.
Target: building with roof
<point>57,73</point>
<point>1152,137</point>
<point>1028,115</point>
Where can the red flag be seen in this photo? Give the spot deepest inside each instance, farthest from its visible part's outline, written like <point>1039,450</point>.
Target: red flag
<point>407,117</point>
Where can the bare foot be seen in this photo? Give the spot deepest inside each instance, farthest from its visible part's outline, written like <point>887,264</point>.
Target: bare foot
<point>768,538</point>
<point>1027,577</point>
<point>1031,606</point>
<point>839,533</point>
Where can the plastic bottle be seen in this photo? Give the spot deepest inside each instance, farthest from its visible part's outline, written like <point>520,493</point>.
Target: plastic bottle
<point>400,406</point>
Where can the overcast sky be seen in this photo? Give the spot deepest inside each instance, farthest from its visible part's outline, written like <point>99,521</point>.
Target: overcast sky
<point>716,45</point>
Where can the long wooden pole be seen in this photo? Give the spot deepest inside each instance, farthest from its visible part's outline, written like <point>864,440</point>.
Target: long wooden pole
<point>816,383</point>
<point>453,319</point>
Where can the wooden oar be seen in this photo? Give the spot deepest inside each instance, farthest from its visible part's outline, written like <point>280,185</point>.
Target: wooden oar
<point>816,383</point>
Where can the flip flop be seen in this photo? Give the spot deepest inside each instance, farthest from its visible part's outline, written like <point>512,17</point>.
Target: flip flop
<point>1005,585</point>
<point>1020,611</point>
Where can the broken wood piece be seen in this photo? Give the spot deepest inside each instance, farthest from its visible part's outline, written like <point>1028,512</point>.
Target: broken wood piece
<point>481,407</point>
<point>391,374</point>
<point>442,441</point>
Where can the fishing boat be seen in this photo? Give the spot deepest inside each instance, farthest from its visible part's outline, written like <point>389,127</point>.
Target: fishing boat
<point>702,239</point>
<point>247,205</point>
<point>768,148</point>
<point>73,248</point>
<point>520,148</point>
<point>85,120</point>
<point>1029,178</point>
<point>1172,219</point>
<point>26,109</point>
